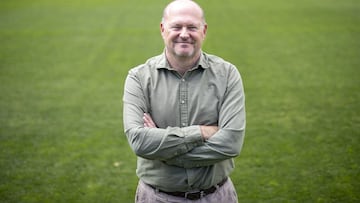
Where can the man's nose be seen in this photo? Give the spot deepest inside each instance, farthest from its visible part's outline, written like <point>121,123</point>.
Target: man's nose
<point>184,32</point>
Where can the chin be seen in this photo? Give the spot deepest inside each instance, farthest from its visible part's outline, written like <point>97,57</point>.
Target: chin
<point>185,53</point>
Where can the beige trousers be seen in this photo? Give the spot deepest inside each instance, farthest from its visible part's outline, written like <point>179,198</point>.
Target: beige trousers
<point>225,194</point>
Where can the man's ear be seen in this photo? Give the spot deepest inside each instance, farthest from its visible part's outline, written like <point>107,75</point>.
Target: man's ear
<point>162,29</point>
<point>205,29</point>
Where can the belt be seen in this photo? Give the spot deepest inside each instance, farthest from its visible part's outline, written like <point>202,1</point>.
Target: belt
<point>196,195</point>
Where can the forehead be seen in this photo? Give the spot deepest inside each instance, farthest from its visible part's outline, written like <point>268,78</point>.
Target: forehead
<point>180,12</point>
<point>183,20</point>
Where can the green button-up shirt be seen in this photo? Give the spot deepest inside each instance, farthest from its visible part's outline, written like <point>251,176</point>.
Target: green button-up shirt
<point>174,157</point>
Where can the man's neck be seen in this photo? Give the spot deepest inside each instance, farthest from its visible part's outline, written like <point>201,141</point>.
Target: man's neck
<point>182,64</point>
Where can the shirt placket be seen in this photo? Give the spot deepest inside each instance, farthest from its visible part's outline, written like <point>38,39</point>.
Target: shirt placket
<point>183,102</point>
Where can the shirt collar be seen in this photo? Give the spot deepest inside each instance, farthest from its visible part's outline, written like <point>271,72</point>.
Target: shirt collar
<point>164,64</point>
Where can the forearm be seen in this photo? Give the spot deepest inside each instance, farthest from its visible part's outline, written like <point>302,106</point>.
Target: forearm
<point>219,145</point>
<point>163,144</point>
<point>225,144</point>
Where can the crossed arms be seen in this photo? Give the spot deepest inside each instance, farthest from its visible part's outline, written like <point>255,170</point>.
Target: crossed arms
<point>206,131</point>
<point>191,146</point>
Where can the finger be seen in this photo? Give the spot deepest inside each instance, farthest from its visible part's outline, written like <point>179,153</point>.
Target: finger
<point>148,122</point>
<point>147,119</point>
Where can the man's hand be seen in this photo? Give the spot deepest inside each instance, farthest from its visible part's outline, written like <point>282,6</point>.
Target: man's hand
<point>208,131</point>
<point>148,121</point>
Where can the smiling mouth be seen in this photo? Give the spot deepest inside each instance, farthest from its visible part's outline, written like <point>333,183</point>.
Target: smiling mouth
<point>184,42</point>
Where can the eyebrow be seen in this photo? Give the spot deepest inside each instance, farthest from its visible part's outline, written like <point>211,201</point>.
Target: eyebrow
<point>185,24</point>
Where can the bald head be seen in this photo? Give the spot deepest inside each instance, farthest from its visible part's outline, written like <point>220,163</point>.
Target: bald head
<point>183,5</point>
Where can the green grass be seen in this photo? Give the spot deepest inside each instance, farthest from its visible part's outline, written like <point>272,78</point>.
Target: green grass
<point>62,69</point>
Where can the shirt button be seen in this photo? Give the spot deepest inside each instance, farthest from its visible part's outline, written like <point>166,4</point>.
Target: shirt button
<point>182,101</point>
<point>183,124</point>
<point>183,80</point>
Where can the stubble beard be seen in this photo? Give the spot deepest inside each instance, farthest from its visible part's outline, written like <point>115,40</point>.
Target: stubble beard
<point>184,54</point>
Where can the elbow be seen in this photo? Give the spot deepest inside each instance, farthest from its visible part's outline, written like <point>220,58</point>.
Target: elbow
<point>135,142</point>
<point>139,151</point>
<point>237,147</point>
<point>234,152</point>
<point>144,152</point>
<point>237,151</point>
<point>137,147</point>
<point>240,146</point>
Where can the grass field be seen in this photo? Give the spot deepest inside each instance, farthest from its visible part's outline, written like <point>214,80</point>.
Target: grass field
<point>62,69</point>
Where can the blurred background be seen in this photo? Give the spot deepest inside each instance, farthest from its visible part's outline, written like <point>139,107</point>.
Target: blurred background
<point>62,70</point>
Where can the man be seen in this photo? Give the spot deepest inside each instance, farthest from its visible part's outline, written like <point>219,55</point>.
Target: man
<point>184,115</point>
